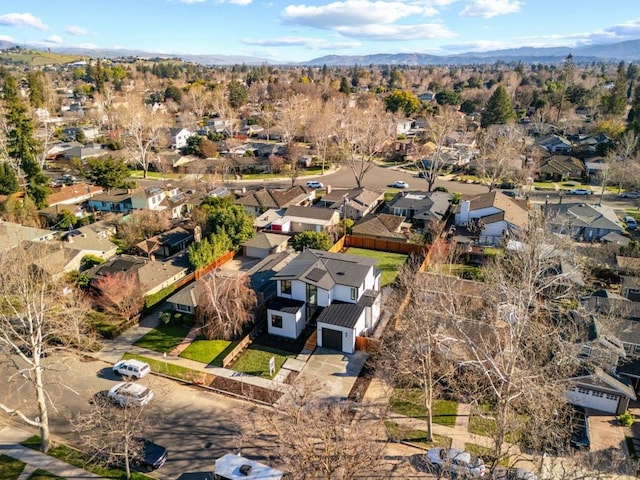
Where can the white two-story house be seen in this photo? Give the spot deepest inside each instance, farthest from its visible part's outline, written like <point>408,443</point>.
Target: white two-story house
<point>337,292</point>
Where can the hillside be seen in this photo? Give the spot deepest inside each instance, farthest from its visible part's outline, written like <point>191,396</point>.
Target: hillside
<point>36,58</point>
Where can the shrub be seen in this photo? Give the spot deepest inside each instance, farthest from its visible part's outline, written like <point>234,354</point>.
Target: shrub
<point>626,419</point>
<point>165,317</point>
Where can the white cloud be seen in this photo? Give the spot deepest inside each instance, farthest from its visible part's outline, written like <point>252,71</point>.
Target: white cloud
<point>397,32</point>
<point>6,38</point>
<point>191,1</point>
<point>352,13</point>
<point>22,20</point>
<point>57,39</point>
<point>241,3</point>
<point>309,42</point>
<point>476,46</point>
<point>75,30</point>
<point>491,8</point>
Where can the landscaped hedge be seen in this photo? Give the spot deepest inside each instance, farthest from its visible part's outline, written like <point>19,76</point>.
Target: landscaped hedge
<point>151,300</point>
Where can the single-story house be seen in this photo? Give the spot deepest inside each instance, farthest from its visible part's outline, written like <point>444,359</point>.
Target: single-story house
<point>587,222</point>
<point>302,219</point>
<point>559,168</point>
<point>383,226</point>
<point>599,390</point>
<point>354,203</point>
<point>263,244</point>
<point>256,202</point>
<point>166,244</point>
<point>422,207</point>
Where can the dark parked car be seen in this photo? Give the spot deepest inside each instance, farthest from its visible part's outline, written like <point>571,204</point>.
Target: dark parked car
<point>152,456</point>
<point>579,429</point>
<point>510,193</point>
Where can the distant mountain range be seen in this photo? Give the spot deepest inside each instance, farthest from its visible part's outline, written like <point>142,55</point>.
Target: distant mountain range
<point>627,51</point>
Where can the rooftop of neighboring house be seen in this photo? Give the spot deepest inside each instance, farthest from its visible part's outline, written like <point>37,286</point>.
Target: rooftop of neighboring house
<point>561,164</point>
<point>115,195</point>
<point>310,213</point>
<point>70,193</point>
<point>426,205</point>
<point>268,217</point>
<point>266,240</point>
<point>326,269</point>
<point>154,273</point>
<point>513,212</point>
<point>362,196</point>
<point>382,225</point>
<point>270,198</point>
<point>87,238</point>
<point>14,234</point>
<point>585,215</point>
<point>170,238</point>
<point>599,378</point>
<point>628,264</point>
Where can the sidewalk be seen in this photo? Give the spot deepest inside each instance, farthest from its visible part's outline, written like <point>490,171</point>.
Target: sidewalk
<point>113,350</point>
<point>10,439</point>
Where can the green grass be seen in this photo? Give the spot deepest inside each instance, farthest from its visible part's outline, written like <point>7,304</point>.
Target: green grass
<point>481,423</point>
<point>390,193</point>
<point>469,272</point>
<point>104,324</point>
<point>40,474</point>
<point>415,437</point>
<point>485,454</point>
<point>267,176</point>
<point>632,212</point>
<point>37,58</point>
<point>81,460</point>
<point>255,360</point>
<point>544,185</point>
<point>157,175</point>
<point>388,263</point>
<point>408,402</point>
<point>208,351</point>
<point>166,368</point>
<point>10,468</point>
<point>163,338</point>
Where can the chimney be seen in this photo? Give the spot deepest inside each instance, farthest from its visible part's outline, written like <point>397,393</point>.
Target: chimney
<point>465,207</point>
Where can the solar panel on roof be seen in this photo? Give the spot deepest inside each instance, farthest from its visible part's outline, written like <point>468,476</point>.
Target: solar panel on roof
<point>315,275</point>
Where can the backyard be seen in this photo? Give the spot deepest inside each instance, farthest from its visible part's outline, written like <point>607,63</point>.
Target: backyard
<point>388,263</point>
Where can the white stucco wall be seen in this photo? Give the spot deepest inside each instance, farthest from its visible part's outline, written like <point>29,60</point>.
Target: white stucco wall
<point>343,293</point>
<point>292,324</point>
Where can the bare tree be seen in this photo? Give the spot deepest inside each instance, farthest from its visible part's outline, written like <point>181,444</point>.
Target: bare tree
<point>317,439</point>
<point>225,306</point>
<point>361,137</point>
<point>143,224</point>
<point>113,435</point>
<point>321,127</point>
<point>500,154</point>
<point>437,133</point>
<point>119,293</point>
<point>33,321</point>
<point>143,129</point>
<point>199,99</point>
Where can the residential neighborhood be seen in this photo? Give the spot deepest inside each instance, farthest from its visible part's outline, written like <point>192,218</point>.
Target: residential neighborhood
<point>307,272</point>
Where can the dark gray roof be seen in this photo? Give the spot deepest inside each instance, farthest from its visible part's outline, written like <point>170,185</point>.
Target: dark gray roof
<point>340,269</point>
<point>314,213</point>
<point>584,215</point>
<point>286,305</point>
<point>341,314</point>
<point>266,240</point>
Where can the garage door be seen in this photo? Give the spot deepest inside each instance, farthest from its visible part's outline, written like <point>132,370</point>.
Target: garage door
<point>596,400</point>
<point>332,339</point>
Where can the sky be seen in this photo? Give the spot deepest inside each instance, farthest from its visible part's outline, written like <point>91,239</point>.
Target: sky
<point>285,30</point>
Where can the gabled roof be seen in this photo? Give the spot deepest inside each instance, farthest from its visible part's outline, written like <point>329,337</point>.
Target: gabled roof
<point>269,198</point>
<point>266,240</point>
<point>314,213</point>
<point>600,378</point>
<point>426,205</point>
<point>326,269</point>
<point>360,196</point>
<point>382,225</point>
<point>513,212</point>
<point>561,164</point>
<point>593,216</point>
<point>77,192</point>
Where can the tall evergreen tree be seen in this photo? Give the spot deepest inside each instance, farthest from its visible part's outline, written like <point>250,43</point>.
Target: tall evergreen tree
<point>615,102</point>
<point>498,110</point>
<point>22,145</point>
<point>8,179</point>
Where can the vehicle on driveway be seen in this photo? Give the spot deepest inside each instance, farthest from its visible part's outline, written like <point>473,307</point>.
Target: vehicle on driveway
<point>400,184</point>
<point>630,222</point>
<point>629,195</point>
<point>314,184</point>
<point>579,429</point>
<point>509,193</point>
<point>151,457</point>
<point>129,393</point>
<point>131,368</point>
<point>458,463</point>
<point>579,191</point>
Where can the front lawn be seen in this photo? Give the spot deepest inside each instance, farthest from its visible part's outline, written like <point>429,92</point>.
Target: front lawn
<point>81,460</point>
<point>415,437</point>
<point>255,360</point>
<point>485,454</point>
<point>408,402</point>
<point>208,351</point>
<point>481,422</point>
<point>172,370</point>
<point>163,338</point>
<point>388,263</point>
<point>40,474</point>
<point>10,468</point>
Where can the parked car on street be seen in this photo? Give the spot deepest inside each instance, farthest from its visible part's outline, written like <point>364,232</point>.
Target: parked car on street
<point>630,222</point>
<point>629,195</point>
<point>458,463</point>
<point>314,184</point>
<point>128,393</point>
<point>400,184</point>
<point>131,368</point>
<point>580,191</point>
<point>152,456</point>
<point>509,193</point>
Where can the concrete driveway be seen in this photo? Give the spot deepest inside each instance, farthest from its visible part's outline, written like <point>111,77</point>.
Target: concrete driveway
<point>334,372</point>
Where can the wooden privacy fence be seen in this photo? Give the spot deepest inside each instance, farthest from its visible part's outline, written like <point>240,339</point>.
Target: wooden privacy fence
<point>384,245</point>
<point>221,260</point>
<point>246,341</point>
<point>367,344</point>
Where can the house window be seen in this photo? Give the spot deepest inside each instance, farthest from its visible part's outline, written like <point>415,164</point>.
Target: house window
<point>612,397</point>
<point>276,321</point>
<point>597,394</point>
<point>183,308</point>
<point>285,287</point>
<point>354,293</point>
